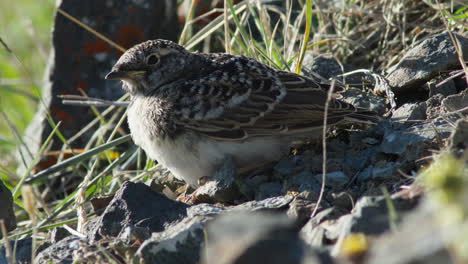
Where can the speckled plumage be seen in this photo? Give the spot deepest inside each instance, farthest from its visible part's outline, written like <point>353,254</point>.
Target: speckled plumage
<point>191,110</point>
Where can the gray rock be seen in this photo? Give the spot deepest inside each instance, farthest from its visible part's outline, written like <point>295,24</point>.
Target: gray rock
<point>370,216</point>
<point>327,67</point>
<point>58,234</point>
<point>419,240</point>
<point>459,137</point>
<point>366,100</point>
<point>302,207</point>
<point>221,187</point>
<point>434,106</point>
<point>410,113</point>
<point>336,180</point>
<point>80,60</point>
<point>269,204</point>
<point>179,243</point>
<point>398,141</point>
<point>288,165</point>
<point>388,171</point>
<point>6,210</point>
<point>62,251</point>
<point>204,210</point>
<point>256,238</point>
<point>445,89</point>
<point>134,209</point>
<point>269,189</point>
<point>457,102</point>
<point>432,56</point>
<point>303,181</point>
<point>22,251</point>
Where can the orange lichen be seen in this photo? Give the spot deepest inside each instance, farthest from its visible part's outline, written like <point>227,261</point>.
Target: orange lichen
<point>63,116</point>
<point>129,35</point>
<point>95,47</point>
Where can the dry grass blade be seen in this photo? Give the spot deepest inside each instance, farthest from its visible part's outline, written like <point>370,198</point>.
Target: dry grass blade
<point>324,147</point>
<point>8,251</point>
<point>97,34</point>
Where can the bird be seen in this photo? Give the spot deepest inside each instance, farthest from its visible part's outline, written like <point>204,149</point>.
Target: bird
<point>190,111</point>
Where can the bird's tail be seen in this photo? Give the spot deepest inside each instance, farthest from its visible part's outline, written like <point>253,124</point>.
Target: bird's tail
<point>364,116</point>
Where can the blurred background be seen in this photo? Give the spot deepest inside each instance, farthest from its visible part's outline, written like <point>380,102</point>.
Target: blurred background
<point>26,29</point>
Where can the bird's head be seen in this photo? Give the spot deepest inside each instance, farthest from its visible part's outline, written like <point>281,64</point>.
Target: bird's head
<point>149,65</point>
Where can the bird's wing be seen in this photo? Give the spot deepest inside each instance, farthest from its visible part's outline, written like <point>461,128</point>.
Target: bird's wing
<point>250,99</point>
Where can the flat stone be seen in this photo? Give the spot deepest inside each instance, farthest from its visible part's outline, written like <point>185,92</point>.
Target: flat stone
<point>410,113</point>
<point>456,102</point>
<point>178,243</point>
<point>426,60</point>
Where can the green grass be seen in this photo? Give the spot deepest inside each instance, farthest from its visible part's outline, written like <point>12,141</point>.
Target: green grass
<point>25,26</point>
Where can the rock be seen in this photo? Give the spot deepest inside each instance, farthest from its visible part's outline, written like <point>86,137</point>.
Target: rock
<point>445,89</point>
<point>434,106</point>
<point>366,100</point>
<point>22,251</point>
<point>203,210</point>
<point>268,189</point>
<point>386,171</point>
<point>370,216</point>
<point>433,55</point>
<point>80,60</point>
<point>336,180</point>
<point>289,165</point>
<point>255,238</point>
<point>179,243</point>
<point>58,234</point>
<point>135,207</point>
<point>410,113</point>
<point>302,207</point>
<point>327,67</point>
<point>222,187</point>
<point>459,137</point>
<point>62,251</point>
<point>456,102</point>
<point>419,239</point>
<point>269,204</point>
<point>398,141</point>
<point>303,181</point>
<point>7,215</point>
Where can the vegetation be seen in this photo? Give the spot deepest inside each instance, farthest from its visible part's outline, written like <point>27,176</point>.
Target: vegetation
<point>370,34</point>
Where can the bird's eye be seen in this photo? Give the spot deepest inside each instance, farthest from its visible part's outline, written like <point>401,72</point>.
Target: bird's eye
<point>152,59</point>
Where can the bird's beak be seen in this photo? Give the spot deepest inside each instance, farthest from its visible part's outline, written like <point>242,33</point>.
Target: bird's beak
<point>116,75</point>
<point>120,75</point>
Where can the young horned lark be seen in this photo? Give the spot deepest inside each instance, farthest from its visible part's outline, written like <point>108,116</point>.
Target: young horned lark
<point>191,110</point>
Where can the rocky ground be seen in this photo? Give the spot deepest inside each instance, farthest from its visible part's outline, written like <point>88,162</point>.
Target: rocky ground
<point>394,192</point>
